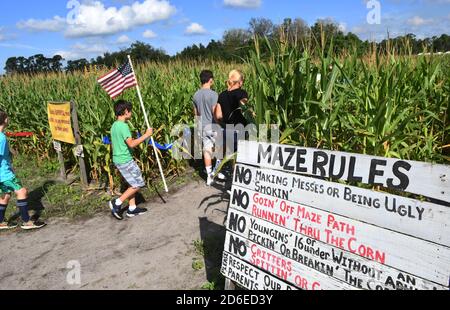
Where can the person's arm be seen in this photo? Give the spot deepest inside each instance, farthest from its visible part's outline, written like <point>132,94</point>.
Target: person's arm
<point>194,106</point>
<point>133,143</point>
<point>218,115</point>
<point>243,97</point>
<point>2,147</point>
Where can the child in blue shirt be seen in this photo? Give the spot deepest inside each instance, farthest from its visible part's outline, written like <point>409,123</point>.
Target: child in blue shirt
<point>9,183</point>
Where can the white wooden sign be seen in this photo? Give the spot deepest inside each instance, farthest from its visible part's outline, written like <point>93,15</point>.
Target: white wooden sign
<point>285,220</point>
<point>78,151</point>
<point>250,277</point>
<point>428,260</point>
<point>335,262</point>
<point>57,146</point>
<point>405,215</point>
<point>410,176</point>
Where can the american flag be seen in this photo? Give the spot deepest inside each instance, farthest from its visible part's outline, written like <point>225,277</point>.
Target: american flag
<point>118,80</point>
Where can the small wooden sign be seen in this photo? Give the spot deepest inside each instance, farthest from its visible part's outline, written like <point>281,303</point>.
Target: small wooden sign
<point>78,151</point>
<point>57,146</point>
<point>60,121</point>
<point>61,117</point>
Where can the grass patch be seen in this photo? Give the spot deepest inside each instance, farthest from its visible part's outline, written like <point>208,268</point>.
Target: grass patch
<point>210,286</point>
<point>199,247</point>
<point>52,197</point>
<point>208,254</point>
<point>197,264</point>
<point>73,201</point>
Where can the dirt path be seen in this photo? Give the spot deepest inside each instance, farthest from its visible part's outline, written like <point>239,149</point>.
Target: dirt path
<point>153,251</point>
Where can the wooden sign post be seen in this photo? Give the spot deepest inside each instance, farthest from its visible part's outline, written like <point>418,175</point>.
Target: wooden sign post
<point>62,169</point>
<point>80,155</point>
<point>60,117</point>
<point>288,227</point>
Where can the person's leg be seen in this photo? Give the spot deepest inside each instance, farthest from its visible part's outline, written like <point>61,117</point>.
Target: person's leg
<point>116,204</point>
<point>132,203</point>
<point>132,174</point>
<point>208,148</point>
<point>133,209</point>
<point>207,157</point>
<point>130,194</point>
<point>22,205</point>
<point>4,201</point>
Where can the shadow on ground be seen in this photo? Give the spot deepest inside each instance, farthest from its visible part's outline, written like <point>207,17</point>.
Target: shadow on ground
<point>35,202</point>
<point>213,238</point>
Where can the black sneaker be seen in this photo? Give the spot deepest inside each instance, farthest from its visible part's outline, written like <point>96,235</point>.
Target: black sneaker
<point>136,212</point>
<point>7,226</point>
<point>33,225</point>
<point>115,209</point>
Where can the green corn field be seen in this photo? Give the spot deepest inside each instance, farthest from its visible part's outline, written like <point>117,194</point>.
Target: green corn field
<point>380,104</point>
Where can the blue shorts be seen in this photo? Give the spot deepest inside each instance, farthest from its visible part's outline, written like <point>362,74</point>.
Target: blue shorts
<point>132,174</point>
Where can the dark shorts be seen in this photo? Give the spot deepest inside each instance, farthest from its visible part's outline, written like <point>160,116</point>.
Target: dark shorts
<point>132,174</point>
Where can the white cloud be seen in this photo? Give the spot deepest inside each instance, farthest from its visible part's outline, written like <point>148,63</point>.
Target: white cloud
<point>419,21</point>
<point>249,4</point>
<point>123,39</point>
<point>81,50</point>
<point>2,36</point>
<point>20,46</point>
<point>395,25</point>
<point>343,27</point>
<point>56,24</point>
<point>148,34</point>
<point>195,29</point>
<point>94,19</point>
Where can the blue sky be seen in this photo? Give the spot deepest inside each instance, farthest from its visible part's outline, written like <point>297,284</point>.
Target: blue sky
<point>50,27</point>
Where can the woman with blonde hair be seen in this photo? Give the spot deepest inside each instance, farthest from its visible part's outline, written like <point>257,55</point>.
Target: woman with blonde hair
<point>229,109</point>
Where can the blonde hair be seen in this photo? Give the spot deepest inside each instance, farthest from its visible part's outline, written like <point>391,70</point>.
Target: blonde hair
<point>235,76</point>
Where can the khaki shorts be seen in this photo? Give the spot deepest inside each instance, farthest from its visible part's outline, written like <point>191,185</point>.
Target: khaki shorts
<point>209,140</point>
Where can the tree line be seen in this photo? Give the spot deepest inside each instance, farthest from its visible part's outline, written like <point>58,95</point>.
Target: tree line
<point>236,44</point>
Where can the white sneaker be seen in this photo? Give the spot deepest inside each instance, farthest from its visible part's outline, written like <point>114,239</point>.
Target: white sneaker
<point>210,180</point>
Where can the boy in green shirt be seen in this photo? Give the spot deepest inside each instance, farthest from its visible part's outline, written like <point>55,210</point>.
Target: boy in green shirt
<point>123,144</point>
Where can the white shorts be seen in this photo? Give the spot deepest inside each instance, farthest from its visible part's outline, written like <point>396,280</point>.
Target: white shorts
<point>209,140</point>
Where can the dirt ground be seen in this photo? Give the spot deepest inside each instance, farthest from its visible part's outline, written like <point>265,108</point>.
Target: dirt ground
<point>153,251</point>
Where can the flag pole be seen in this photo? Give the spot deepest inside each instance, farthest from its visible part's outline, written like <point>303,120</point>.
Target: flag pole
<point>148,126</point>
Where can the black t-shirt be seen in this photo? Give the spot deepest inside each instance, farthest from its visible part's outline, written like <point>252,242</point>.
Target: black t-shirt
<point>230,102</point>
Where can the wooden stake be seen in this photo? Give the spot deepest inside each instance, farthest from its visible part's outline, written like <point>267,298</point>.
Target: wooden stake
<point>62,167</point>
<point>76,130</point>
<point>229,285</point>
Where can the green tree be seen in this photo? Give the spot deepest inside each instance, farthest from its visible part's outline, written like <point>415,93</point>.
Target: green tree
<point>77,65</point>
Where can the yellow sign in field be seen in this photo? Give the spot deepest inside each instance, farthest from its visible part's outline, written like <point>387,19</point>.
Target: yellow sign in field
<point>59,118</point>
